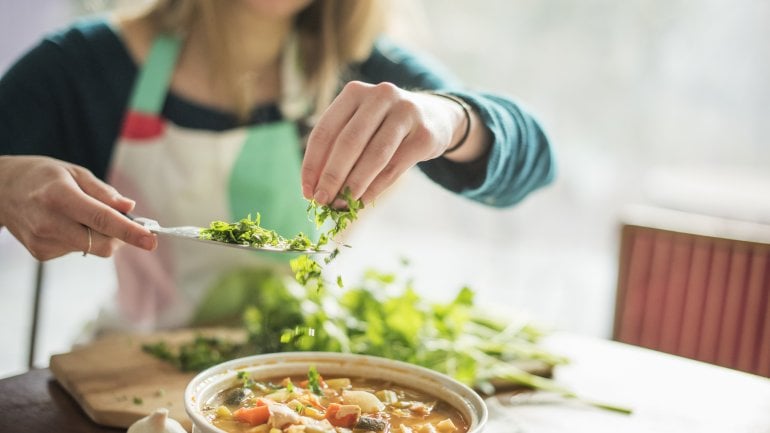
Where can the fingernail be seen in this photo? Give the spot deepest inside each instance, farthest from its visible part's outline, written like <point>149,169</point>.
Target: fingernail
<point>307,191</point>
<point>321,197</point>
<point>148,242</point>
<point>340,204</point>
<point>125,200</point>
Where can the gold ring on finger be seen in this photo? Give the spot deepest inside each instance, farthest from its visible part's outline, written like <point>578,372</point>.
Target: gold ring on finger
<point>90,240</point>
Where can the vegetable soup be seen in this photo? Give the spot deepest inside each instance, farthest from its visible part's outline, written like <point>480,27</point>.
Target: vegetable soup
<point>313,404</point>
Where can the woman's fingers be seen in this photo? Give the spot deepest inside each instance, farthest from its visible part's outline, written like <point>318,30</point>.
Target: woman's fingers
<point>352,144</point>
<point>371,135</point>
<point>378,154</point>
<point>323,135</point>
<point>402,160</point>
<point>101,245</point>
<point>101,213</point>
<point>53,206</point>
<point>103,219</point>
<point>70,235</point>
<point>99,190</point>
<point>342,134</point>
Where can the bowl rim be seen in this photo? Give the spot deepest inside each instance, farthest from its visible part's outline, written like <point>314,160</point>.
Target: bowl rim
<point>473,400</point>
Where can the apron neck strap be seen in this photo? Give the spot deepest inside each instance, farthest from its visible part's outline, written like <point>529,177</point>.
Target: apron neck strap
<point>155,76</point>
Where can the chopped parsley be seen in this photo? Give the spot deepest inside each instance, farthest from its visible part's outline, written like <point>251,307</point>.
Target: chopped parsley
<point>307,270</point>
<point>248,382</point>
<point>340,217</point>
<point>249,231</point>
<point>301,243</point>
<point>244,232</point>
<point>314,380</point>
<point>196,355</point>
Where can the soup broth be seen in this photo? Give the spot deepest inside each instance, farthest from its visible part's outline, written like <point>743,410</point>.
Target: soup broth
<point>314,404</point>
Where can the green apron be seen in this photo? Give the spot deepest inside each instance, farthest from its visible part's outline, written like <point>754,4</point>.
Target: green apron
<point>183,176</point>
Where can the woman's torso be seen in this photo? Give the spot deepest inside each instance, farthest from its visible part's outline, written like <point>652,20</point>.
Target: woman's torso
<point>182,175</point>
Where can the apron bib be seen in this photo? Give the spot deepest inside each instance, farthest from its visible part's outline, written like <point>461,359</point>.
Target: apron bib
<point>181,176</point>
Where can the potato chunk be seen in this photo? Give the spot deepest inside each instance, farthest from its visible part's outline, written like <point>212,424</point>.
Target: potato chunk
<point>368,402</point>
<point>446,426</point>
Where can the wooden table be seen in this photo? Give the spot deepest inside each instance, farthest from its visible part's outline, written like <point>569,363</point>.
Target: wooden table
<point>34,402</point>
<point>667,393</point>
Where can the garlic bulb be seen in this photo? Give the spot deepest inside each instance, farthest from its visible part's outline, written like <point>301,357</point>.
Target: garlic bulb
<point>156,422</point>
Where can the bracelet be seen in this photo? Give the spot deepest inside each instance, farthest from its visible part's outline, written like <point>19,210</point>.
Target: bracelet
<point>466,110</point>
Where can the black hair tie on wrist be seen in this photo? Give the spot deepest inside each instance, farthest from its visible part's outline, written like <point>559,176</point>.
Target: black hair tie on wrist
<point>466,110</point>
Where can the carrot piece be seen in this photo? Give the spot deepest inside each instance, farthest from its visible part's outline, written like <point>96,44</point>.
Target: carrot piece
<point>252,415</point>
<point>343,415</point>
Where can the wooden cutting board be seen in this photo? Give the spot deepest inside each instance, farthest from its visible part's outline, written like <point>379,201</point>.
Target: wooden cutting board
<point>116,383</point>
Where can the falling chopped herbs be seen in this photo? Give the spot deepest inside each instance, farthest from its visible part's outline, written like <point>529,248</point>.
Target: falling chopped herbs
<point>307,271</point>
<point>291,335</point>
<point>138,401</point>
<point>331,256</point>
<point>340,217</point>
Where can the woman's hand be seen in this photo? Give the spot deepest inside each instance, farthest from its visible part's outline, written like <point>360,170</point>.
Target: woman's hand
<point>50,205</point>
<point>371,134</point>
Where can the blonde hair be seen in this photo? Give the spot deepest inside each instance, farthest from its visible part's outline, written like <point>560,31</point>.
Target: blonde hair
<point>332,35</point>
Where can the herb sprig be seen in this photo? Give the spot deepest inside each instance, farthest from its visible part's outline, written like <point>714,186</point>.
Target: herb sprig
<point>382,316</point>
